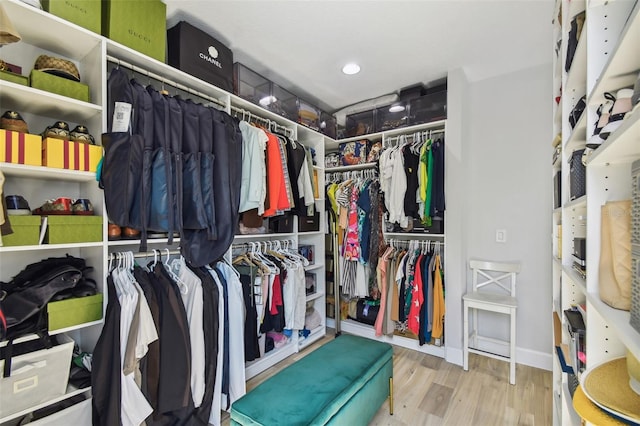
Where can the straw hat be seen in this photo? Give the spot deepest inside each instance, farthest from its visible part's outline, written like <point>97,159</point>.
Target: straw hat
<point>8,33</point>
<point>57,66</point>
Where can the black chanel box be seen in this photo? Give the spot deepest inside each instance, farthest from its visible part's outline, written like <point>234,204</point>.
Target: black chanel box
<point>197,53</point>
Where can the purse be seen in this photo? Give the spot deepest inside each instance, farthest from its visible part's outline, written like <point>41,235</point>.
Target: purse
<point>614,280</point>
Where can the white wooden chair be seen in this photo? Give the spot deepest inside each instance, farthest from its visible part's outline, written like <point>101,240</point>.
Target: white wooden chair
<point>493,290</point>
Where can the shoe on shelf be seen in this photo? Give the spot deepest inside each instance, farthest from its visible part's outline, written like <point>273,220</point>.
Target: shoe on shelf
<point>621,106</point>
<point>114,232</point>
<point>17,205</point>
<point>58,130</point>
<point>604,111</point>
<point>13,121</point>
<point>83,207</point>
<point>130,233</point>
<point>81,134</point>
<point>58,206</point>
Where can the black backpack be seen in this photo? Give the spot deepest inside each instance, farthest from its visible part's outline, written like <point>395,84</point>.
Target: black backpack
<point>23,300</point>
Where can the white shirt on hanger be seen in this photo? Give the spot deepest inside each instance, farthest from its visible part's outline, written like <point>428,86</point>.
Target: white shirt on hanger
<point>253,187</point>
<point>193,302</point>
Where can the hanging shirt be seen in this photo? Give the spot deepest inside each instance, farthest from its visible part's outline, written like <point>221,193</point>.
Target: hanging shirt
<point>438,302</point>
<point>216,406</point>
<point>237,315</point>
<point>253,186</point>
<point>397,191</point>
<point>417,298</point>
<point>192,298</point>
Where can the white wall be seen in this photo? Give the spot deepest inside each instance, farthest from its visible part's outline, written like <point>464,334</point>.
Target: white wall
<point>507,159</point>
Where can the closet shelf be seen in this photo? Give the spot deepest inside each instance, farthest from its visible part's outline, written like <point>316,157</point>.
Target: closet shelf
<point>577,138</point>
<point>407,235</point>
<point>150,241</point>
<point>618,321</point>
<point>622,68</point>
<point>314,296</point>
<point>316,334</point>
<point>288,235</point>
<point>144,63</point>
<point>577,75</point>
<point>622,146</point>
<point>43,247</point>
<point>40,102</point>
<point>580,202</point>
<point>575,277</point>
<point>269,359</point>
<point>50,32</point>
<point>314,266</point>
<point>71,391</point>
<point>574,419</point>
<point>30,337</point>
<point>49,173</point>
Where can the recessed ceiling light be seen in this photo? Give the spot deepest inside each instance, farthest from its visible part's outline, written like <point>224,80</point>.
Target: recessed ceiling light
<point>267,100</point>
<point>396,108</point>
<point>351,68</point>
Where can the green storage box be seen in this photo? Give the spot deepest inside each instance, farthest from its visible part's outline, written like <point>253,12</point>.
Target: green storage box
<point>86,13</point>
<point>73,229</point>
<point>74,311</point>
<point>14,78</point>
<point>61,86</point>
<point>140,25</point>
<point>26,231</point>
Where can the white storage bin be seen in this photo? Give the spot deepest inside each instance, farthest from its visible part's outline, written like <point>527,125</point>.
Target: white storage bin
<point>78,414</point>
<point>36,377</point>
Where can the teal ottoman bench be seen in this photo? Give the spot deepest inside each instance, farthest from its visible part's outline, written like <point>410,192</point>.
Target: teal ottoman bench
<point>344,382</point>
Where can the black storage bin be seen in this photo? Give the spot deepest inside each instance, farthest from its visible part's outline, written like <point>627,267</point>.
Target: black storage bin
<point>388,118</point>
<point>309,223</point>
<point>361,123</point>
<point>431,106</point>
<point>577,175</point>
<point>282,224</point>
<point>367,310</point>
<point>195,52</point>
<point>580,248</point>
<point>557,189</point>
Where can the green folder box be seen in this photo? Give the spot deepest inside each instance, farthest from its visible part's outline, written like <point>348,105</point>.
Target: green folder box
<point>14,78</point>
<point>26,231</point>
<point>140,25</point>
<point>74,311</point>
<point>73,229</point>
<point>85,13</point>
<point>61,86</point>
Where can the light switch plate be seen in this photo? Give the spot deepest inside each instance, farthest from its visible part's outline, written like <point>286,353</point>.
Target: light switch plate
<point>501,235</point>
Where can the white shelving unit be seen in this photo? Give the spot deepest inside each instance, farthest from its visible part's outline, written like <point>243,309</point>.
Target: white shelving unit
<point>354,327</point>
<point>606,60</point>
<point>43,33</point>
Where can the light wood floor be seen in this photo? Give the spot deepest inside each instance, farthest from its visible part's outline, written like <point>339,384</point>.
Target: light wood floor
<point>431,391</point>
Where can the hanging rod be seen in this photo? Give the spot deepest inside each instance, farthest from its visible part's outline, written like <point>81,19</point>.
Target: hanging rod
<point>165,80</point>
<point>248,245</point>
<point>139,255</point>
<point>268,121</point>
<point>424,133</point>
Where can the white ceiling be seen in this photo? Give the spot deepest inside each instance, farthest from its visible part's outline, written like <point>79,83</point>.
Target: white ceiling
<point>301,45</point>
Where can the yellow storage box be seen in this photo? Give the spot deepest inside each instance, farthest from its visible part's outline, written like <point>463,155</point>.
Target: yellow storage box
<point>20,148</point>
<point>62,154</point>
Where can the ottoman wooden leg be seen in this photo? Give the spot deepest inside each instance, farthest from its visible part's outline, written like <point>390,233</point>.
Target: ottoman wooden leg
<point>391,396</point>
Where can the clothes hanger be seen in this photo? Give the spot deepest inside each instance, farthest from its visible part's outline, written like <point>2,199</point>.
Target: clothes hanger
<point>181,285</point>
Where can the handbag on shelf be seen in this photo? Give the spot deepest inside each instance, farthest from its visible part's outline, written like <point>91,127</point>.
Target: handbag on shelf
<point>614,280</point>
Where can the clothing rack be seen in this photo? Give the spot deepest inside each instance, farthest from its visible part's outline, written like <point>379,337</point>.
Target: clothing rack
<point>141,255</point>
<point>248,116</point>
<point>165,80</point>
<point>352,174</point>
<point>425,134</point>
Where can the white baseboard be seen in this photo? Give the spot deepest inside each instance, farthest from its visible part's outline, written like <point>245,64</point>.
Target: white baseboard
<point>537,359</point>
